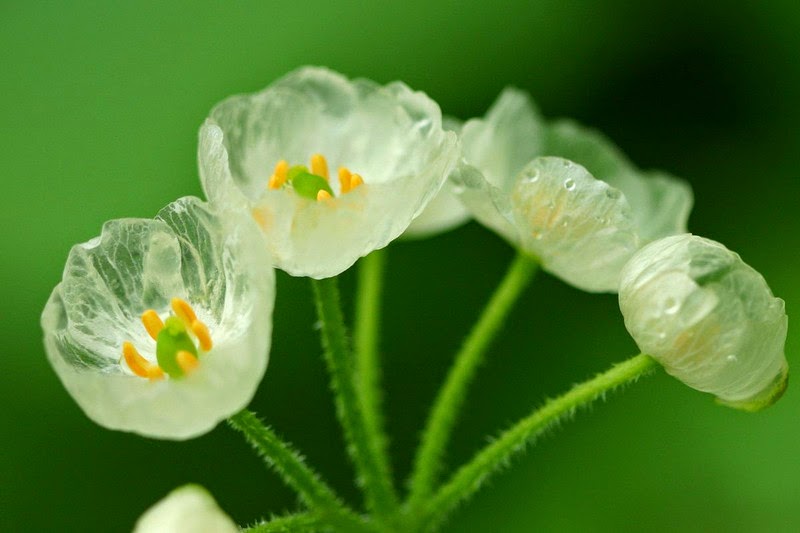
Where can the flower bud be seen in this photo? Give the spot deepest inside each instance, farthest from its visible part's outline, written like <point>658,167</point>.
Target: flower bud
<point>708,318</point>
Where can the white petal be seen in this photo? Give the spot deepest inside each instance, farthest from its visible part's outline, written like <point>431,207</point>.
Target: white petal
<point>391,136</point>
<point>216,263</point>
<point>708,318</point>
<point>580,228</point>
<point>660,203</point>
<point>495,149</point>
<point>188,509</point>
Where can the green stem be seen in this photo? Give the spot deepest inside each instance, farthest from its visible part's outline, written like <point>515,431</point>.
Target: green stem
<point>367,357</point>
<point>428,461</point>
<point>469,478</point>
<point>372,473</point>
<point>289,464</point>
<point>295,523</point>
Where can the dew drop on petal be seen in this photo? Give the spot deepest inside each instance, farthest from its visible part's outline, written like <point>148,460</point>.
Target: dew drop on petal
<point>569,184</point>
<point>671,306</point>
<point>613,193</point>
<point>731,358</point>
<point>532,176</point>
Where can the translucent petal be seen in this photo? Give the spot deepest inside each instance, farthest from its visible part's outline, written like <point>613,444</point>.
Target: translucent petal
<point>188,509</point>
<point>216,263</point>
<point>660,203</point>
<point>580,228</point>
<point>708,318</point>
<point>445,211</point>
<point>495,149</point>
<point>391,136</point>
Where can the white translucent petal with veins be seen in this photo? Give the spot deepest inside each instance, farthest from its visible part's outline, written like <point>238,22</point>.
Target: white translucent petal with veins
<point>188,509</point>
<point>390,135</point>
<point>218,264</point>
<point>590,249</point>
<point>708,318</point>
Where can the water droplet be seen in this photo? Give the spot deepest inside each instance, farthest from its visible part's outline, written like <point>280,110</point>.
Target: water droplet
<point>551,204</point>
<point>566,163</point>
<point>458,189</point>
<point>533,176</point>
<point>613,193</point>
<point>732,358</point>
<point>536,234</point>
<point>565,222</point>
<point>671,306</point>
<point>662,335</point>
<point>569,184</point>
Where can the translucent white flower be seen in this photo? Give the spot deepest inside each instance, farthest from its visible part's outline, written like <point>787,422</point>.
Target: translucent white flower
<point>445,212</point>
<point>387,143</point>
<point>708,318</point>
<point>162,326</point>
<point>582,213</point>
<point>188,509</point>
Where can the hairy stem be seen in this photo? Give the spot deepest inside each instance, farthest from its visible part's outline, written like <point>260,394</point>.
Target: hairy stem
<point>469,478</point>
<point>367,356</point>
<point>372,473</point>
<point>295,523</point>
<point>289,464</point>
<point>443,415</point>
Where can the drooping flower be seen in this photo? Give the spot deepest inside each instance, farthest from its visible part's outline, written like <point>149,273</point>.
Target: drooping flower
<point>187,509</point>
<point>708,318</point>
<point>377,154</point>
<point>564,193</point>
<point>162,326</point>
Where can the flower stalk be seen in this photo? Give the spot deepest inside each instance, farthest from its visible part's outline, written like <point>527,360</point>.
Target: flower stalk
<point>372,472</point>
<point>470,477</point>
<point>366,336</point>
<point>290,465</point>
<point>428,461</point>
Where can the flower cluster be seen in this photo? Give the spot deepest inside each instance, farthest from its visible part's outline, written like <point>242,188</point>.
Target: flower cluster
<point>162,326</point>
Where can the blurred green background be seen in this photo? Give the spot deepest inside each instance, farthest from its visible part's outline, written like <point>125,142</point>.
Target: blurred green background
<point>101,103</point>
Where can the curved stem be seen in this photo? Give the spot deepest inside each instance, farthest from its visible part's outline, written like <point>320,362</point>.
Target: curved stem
<point>289,464</point>
<point>469,478</point>
<point>286,524</point>
<point>428,461</point>
<point>372,474</point>
<point>367,356</point>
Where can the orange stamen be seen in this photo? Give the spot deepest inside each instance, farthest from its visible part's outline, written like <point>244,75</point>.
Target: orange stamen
<point>186,361</point>
<point>279,175</point>
<point>323,195</point>
<point>200,331</point>
<point>344,180</point>
<point>184,311</point>
<point>138,364</point>
<point>355,181</point>
<point>152,323</point>
<point>319,165</point>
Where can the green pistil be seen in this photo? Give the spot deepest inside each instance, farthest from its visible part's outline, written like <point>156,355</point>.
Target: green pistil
<point>172,339</point>
<point>307,184</point>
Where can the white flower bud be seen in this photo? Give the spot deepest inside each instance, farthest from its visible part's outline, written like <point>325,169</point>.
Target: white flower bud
<point>188,509</point>
<point>708,318</point>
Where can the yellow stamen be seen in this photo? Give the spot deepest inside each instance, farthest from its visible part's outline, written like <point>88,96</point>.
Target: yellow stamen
<point>319,166</point>
<point>200,331</point>
<point>355,181</point>
<point>138,364</point>
<point>279,175</point>
<point>323,195</point>
<point>152,323</point>
<point>184,311</point>
<point>186,361</point>
<point>344,180</point>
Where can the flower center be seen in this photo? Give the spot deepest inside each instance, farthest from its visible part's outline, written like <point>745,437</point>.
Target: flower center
<point>176,351</point>
<point>313,184</point>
